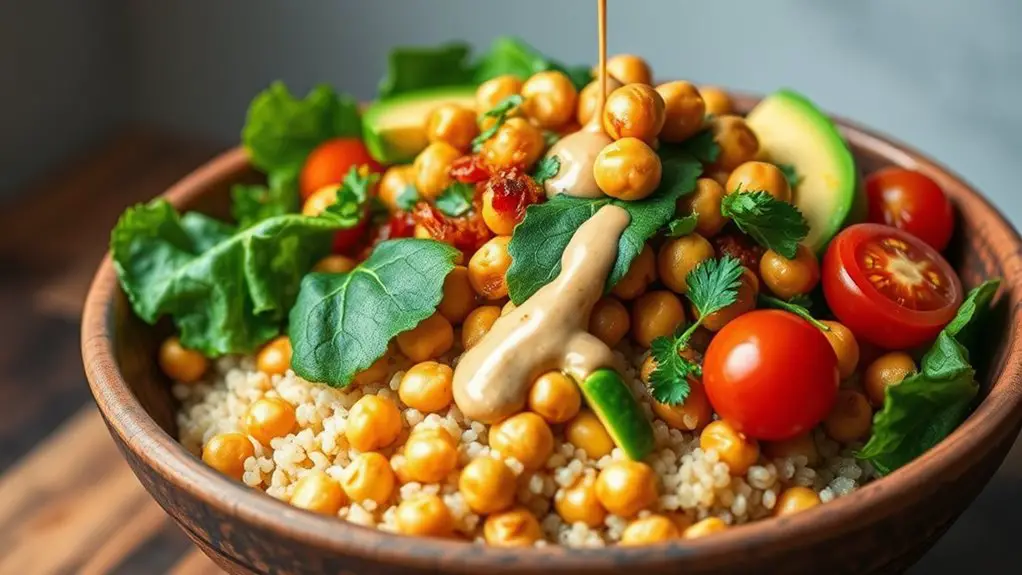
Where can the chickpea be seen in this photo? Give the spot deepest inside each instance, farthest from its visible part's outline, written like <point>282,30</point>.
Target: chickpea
<point>626,487</point>
<point>799,446</point>
<point>373,422</point>
<point>627,169</point>
<point>320,200</point>
<point>334,264</point>
<point>640,274</point>
<point>794,500</point>
<point>369,477</point>
<point>845,347</point>
<point>478,324</point>
<point>319,493</point>
<point>452,124</point>
<point>759,176</point>
<point>427,386</point>
<point>850,419</point>
<point>789,278</point>
<point>738,144</point>
<point>459,297</point>
<point>745,302</point>
<point>655,314</point>
<point>424,515</point>
<point>634,111</point>
<point>678,257</point>
<point>372,374</point>
<point>269,417</point>
<point>609,321</point>
<point>887,370</point>
<point>578,503</point>
<point>487,485</point>
<point>513,528</point>
<point>227,452</point>
<point>717,101</point>
<point>649,364</point>
<point>629,69</point>
<point>394,183</point>
<point>430,457</point>
<point>516,143</point>
<point>432,169</point>
<point>735,449</point>
<point>650,530</point>
<point>705,203</point>
<point>275,357</point>
<point>548,99</point>
<point>684,111</point>
<point>555,397</point>
<point>589,99</point>
<point>430,339</point>
<point>692,415</point>
<point>180,363</point>
<point>587,433</point>
<point>524,436</point>
<point>707,526</point>
<point>500,223</point>
<point>492,91</point>
<point>488,267</point>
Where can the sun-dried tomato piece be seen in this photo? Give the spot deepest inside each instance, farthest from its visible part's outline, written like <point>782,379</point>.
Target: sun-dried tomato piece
<point>466,233</point>
<point>738,245</point>
<point>469,170</point>
<point>513,190</point>
<point>400,224</point>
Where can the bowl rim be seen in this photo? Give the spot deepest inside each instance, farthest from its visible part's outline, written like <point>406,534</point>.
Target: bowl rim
<point>996,416</point>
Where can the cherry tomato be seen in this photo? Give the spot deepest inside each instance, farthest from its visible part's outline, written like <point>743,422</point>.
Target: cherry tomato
<point>888,286</point>
<point>911,201</point>
<point>771,374</point>
<point>330,161</point>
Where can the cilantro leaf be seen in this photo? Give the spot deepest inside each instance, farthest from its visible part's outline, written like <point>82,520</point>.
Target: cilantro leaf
<point>408,197</point>
<point>790,174</point>
<point>410,69</point>
<point>669,381</point>
<point>713,284</point>
<point>456,199</point>
<point>500,113</point>
<point>547,168</point>
<point>352,195</point>
<point>774,224</point>
<point>702,146</point>
<point>682,226</point>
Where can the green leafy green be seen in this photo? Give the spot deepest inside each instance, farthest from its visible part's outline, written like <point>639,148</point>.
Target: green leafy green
<point>702,146</point>
<point>682,226</point>
<point>668,383</point>
<point>408,197</point>
<point>416,68</point>
<point>546,169</point>
<point>795,306</point>
<point>500,113</point>
<point>342,323</point>
<point>508,55</point>
<point>774,224</point>
<point>253,203</point>
<point>713,284</point>
<point>227,291</point>
<point>790,174</point>
<point>352,195</point>
<point>456,199</point>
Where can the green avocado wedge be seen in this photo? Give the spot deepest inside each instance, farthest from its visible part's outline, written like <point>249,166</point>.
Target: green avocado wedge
<point>613,403</point>
<point>792,130</point>
<point>394,129</point>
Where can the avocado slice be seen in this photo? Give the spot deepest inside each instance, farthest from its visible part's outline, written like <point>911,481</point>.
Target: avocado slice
<point>394,129</point>
<point>613,403</point>
<point>792,130</point>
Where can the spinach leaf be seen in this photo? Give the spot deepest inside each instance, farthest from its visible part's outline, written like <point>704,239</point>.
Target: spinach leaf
<point>253,203</point>
<point>342,323</point>
<point>509,55</point>
<point>416,68</point>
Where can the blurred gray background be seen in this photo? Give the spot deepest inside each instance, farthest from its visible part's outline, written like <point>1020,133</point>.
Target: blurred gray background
<point>943,75</point>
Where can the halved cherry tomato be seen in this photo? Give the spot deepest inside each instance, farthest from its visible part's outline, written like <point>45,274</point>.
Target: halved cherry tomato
<point>771,374</point>
<point>888,286</point>
<point>330,161</point>
<point>911,201</point>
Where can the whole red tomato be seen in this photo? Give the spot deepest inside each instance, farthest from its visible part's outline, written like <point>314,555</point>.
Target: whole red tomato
<point>911,201</point>
<point>771,374</point>
<point>330,161</point>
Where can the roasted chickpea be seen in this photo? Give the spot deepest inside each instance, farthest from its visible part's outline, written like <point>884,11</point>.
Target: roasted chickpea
<point>640,274</point>
<point>738,144</point>
<point>488,267</point>
<point>269,417</point>
<point>629,69</point>
<point>424,515</point>
<point>887,370</point>
<point>487,485</point>
<point>609,321</point>
<point>704,202</point>
<point>373,422</point>
<point>789,278</point>
<point>430,457</point>
<point>794,500</point>
<point>459,297</point>
<point>587,433</point>
<point>801,445</point>
<point>548,99</point>
<point>492,91</point>
<point>845,347</point>
<point>500,223</point>
<point>372,374</point>
<point>759,176</point>
<point>369,477</point>
<point>513,528</point>
<point>524,436</point>
<point>394,183</point>
<point>516,143</point>
<point>684,111</point>
<point>227,452</point>
<point>692,415</point>
<point>180,363</point>
<point>649,364</point>
<point>626,487</point>
<point>650,530</point>
<point>733,448</point>
<point>427,386</point>
<point>627,169</point>
<point>578,503</point>
<point>745,302</point>
<point>334,264</point>
<point>452,124</point>
<point>555,397</point>
<point>589,99</point>
<point>707,526</point>
<point>432,169</point>
<point>678,257</point>
<point>655,314</point>
<point>478,324</point>
<point>275,357</point>
<point>717,101</point>
<point>430,339</point>
<point>319,493</point>
<point>850,419</point>
<point>634,111</point>
<point>320,200</point>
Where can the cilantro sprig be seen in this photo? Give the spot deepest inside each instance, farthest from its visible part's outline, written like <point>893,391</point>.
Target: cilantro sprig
<point>682,226</point>
<point>408,197</point>
<point>500,114</point>
<point>774,224</point>
<point>456,199</point>
<point>547,168</point>
<point>352,196</point>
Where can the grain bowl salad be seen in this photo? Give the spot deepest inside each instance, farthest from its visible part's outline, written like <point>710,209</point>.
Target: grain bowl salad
<point>520,303</point>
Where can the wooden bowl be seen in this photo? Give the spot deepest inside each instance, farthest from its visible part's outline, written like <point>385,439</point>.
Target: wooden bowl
<point>883,527</point>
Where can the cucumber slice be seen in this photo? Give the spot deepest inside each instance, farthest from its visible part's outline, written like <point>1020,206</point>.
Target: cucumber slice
<point>613,403</point>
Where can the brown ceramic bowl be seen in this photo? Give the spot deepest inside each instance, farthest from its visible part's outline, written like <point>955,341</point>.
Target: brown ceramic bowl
<point>883,527</point>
